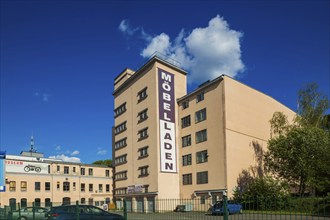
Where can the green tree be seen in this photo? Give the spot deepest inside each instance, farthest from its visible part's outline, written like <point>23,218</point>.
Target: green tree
<point>312,106</point>
<point>300,152</point>
<point>302,157</point>
<point>104,162</point>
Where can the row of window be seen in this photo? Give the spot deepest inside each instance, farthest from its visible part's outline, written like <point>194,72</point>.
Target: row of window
<point>201,157</point>
<point>65,186</point>
<point>143,152</point>
<point>142,134</point>
<point>200,136</point>
<point>47,202</point>
<point>199,97</point>
<point>199,116</point>
<point>66,170</point>
<point>201,178</point>
<point>143,171</point>
<point>122,108</point>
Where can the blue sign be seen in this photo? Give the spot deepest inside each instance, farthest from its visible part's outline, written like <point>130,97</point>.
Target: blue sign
<point>2,171</point>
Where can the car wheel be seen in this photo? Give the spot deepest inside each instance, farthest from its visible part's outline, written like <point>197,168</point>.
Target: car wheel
<point>21,218</point>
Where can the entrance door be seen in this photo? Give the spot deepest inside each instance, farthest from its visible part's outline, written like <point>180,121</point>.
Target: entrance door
<point>151,204</point>
<point>129,204</point>
<point>140,204</point>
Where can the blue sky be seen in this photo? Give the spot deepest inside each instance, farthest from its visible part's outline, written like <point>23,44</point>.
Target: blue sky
<point>59,60</point>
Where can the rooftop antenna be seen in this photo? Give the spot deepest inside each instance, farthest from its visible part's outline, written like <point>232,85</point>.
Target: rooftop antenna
<point>32,145</point>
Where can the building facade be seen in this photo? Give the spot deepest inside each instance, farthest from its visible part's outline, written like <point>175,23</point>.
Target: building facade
<point>168,143</point>
<point>43,181</point>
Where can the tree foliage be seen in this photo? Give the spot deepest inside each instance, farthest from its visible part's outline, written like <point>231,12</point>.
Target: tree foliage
<point>263,187</point>
<point>312,106</point>
<point>104,162</point>
<point>300,152</point>
<point>302,157</point>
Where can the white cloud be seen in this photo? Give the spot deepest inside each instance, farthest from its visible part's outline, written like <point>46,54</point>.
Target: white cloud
<point>66,158</point>
<point>206,52</point>
<point>43,96</point>
<point>76,152</point>
<point>58,148</point>
<point>125,28</point>
<point>101,151</point>
<point>160,43</point>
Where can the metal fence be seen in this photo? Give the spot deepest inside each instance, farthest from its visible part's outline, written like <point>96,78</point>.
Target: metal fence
<point>288,208</point>
<point>38,211</point>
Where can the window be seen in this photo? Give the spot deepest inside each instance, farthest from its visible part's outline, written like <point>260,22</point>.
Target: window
<point>66,186</point>
<point>23,203</point>
<point>185,121</point>
<point>186,141</point>
<point>121,191</point>
<point>142,94</point>
<point>58,185</point>
<point>48,202</point>
<point>186,160</point>
<point>83,201</point>
<point>66,201</point>
<point>187,179</point>
<point>120,128</point>
<point>37,186</point>
<point>90,187</point>
<point>143,115</point>
<point>37,202</point>
<point>202,177</point>
<point>74,186</point>
<point>82,171</point>
<point>47,186</point>
<point>90,172</point>
<point>12,203</point>
<point>82,187</point>
<point>143,134</point>
<point>74,169</point>
<point>143,152</point>
<point>121,159</point>
<point>202,199</point>
<point>100,188</point>
<point>185,104</point>
<point>58,168</point>
<point>143,171</point>
<point>201,136</point>
<point>90,201</point>
<point>107,173</point>
<point>23,186</point>
<point>120,144</point>
<point>120,110</point>
<point>200,115</point>
<point>201,156</point>
<point>12,186</point>
<point>66,170</point>
<point>107,187</point>
<point>200,97</point>
<point>121,175</point>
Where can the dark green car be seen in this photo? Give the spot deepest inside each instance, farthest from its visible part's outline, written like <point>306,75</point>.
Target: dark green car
<point>27,213</point>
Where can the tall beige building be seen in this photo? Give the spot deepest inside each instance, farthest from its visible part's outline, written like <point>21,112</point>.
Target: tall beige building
<point>170,144</point>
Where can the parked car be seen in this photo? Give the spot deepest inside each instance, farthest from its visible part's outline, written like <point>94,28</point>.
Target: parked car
<point>232,207</point>
<point>27,213</point>
<point>86,212</point>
